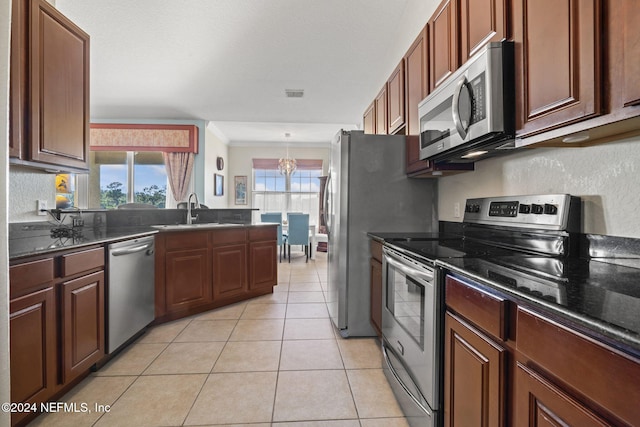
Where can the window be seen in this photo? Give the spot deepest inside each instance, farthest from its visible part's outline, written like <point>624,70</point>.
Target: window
<point>119,177</point>
<point>298,192</point>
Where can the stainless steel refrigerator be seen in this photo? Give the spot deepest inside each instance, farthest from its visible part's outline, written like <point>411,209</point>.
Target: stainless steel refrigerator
<point>367,191</point>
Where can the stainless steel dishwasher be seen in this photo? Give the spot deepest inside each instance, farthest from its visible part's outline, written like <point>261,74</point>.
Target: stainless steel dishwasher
<point>131,290</point>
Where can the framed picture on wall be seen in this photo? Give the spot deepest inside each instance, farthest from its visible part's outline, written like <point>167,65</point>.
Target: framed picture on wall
<point>240,186</point>
<point>218,184</point>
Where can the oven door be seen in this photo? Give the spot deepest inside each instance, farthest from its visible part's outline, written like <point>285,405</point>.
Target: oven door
<point>410,322</point>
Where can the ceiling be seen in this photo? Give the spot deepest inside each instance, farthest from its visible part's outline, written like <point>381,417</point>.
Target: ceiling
<point>229,62</point>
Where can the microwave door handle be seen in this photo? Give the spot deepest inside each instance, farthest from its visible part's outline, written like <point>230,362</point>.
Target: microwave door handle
<point>455,107</point>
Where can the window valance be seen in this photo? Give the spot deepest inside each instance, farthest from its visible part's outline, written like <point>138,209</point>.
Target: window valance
<point>144,137</point>
<point>302,164</point>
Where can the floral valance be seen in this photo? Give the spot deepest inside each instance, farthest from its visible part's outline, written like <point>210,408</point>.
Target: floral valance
<point>144,137</point>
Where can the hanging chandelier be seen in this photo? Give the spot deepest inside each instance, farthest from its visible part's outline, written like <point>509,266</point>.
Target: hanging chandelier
<point>287,165</point>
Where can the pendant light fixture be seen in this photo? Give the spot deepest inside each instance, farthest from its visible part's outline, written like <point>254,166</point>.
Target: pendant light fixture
<point>287,165</point>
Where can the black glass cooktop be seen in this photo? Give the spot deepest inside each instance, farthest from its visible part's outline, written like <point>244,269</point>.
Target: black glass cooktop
<point>451,247</point>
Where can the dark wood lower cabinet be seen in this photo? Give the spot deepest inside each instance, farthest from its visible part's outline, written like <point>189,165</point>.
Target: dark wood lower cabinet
<point>229,271</point>
<point>34,360</point>
<point>539,402</point>
<point>508,363</point>
<point>375,268</point>
<point>475,371</point>
<point>83,328</point>
<point>263,269</point>
<point>188,278</point>
<point>201,270</point>
<point>57,324</point>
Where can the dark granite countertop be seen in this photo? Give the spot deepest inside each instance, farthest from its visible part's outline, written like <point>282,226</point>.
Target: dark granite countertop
<point>600,296</point>
<point>32,239</point>
<point>38,239</point>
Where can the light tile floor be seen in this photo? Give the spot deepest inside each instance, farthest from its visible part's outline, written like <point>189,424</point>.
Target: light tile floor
<point>275,360</point>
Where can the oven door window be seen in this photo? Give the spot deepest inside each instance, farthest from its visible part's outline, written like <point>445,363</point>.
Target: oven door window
<point>405,301</point>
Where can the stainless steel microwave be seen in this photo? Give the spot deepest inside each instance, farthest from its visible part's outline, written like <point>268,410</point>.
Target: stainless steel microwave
<point>472,114</point>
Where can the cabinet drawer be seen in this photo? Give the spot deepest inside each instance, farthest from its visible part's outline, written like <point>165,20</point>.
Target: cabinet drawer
<point>222,237</point>
<point>29,276</point>
<point>603,375</point>
<point>186,240</point>
<point>485,310</point>
<point>262,233</point>
<point>82,261</point>
<point>376,250</point>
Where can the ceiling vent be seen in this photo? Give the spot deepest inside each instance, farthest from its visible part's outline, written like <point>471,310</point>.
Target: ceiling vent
<point>294,93</point>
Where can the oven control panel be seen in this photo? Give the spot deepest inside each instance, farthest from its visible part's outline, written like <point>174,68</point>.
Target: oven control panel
<point>545,211</point>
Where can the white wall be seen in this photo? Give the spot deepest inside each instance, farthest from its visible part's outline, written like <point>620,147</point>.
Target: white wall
<point>26,186</point>
<point>5,13</point>
<point>606,177</point>
<point>215,148</point>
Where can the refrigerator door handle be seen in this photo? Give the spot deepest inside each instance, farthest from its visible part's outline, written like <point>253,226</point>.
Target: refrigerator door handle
<point>325,205</point>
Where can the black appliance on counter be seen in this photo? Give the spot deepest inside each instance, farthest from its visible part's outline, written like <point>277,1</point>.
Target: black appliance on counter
<point>525,242</point>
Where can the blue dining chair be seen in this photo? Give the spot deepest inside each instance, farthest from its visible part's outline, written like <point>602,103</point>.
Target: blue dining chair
<point>277,218</point>
<point>298,233</point>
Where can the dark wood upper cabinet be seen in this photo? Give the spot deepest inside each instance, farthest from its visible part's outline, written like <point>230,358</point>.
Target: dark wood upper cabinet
<point>395,99</point>
<point>381,111</point>
<point>631,52</point>
<point>49,89</point>
<point>443,43</point>
<point>369,119</point>
<point>558,50</point>
<point>416,75</point>
<point>481,22</point>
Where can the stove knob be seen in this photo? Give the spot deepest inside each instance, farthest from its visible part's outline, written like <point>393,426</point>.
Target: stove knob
<point>550,209</point>
<point>537,209</point>
<point>525,209</point>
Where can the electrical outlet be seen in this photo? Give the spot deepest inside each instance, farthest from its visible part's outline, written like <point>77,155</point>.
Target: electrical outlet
<point>456,210</point>
<point>41,207</point>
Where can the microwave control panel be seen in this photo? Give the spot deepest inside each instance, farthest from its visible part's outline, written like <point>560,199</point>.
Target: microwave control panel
<point>478,91</point>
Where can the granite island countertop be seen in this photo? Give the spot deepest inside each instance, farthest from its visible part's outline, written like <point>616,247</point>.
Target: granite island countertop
<point>32,239</point>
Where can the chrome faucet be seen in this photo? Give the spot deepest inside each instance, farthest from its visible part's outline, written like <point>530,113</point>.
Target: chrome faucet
<point>190,218</point>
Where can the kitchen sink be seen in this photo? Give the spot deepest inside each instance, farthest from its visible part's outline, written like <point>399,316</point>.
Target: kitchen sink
<point>194,226</point>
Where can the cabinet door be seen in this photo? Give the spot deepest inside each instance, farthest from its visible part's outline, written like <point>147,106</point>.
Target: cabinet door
<point>631,52</point>
<point>474,382</point>
<point>229,271</point>
<point>481,22</point>
<point>263,269</point>
<point>381,111</point>
<point>369,119</point>
<point>558,77</point>
<point>395,99</point>
<point>538,402</point>
<point>416,80</point>
<point>59,81</point>
<point>18,81</point>
<point>443,43</point>
<point>33,348</point>
<point>376,295</point>
<point>188,279</point>
<point>83,328</point>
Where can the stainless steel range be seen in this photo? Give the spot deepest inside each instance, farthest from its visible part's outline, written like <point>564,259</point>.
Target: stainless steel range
<point>523,241</point>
